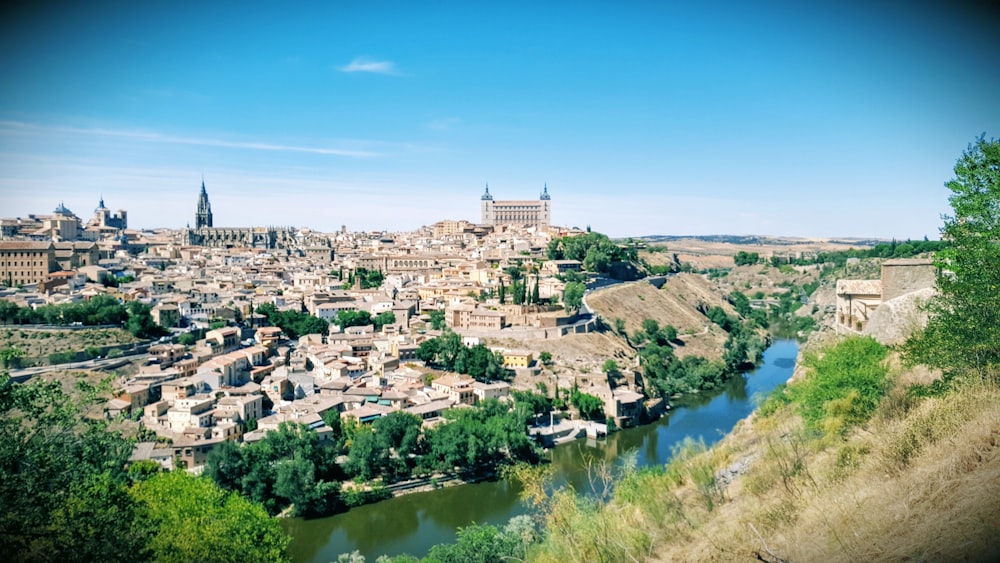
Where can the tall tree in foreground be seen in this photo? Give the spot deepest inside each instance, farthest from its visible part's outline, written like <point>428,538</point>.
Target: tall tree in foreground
<point>963,332</point>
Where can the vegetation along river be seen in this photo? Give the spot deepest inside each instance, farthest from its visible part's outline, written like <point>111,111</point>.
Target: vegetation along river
<point>415,522</point>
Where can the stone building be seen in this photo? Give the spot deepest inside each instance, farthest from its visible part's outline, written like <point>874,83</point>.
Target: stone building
<point>104,218</point>
<point>26,263</point>
<point>526,213</point>
<point>857,300</point>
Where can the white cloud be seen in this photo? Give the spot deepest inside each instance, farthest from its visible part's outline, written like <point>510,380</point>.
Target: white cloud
<point>365,64</point>
<point>13,127</point>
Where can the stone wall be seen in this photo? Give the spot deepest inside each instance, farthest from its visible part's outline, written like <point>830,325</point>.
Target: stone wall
<point>903,276</point>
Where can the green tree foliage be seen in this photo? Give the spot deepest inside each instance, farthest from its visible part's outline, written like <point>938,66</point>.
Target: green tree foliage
<point>10,357</point>
<point>370,279</point>
<point>668,374</point>
<point>610,366</point>
<point>485,543</point>
<point>596,251</point>
<point>479,438</point>
<point>963,332</point>
<point>746,258</point>
<point>384,318</point>
<point>590,406</point>
<point>573,295</point>
<point>197,521</point>
<point>448,352</point>
<point>545,357</point>
<point>741,303</point>
<point>347,318</point>
<point>288,467</point>
<point>63,483</point>
<point>293,323</point>
<point>384,448</point>
<point>140,322</point>
<point>437,318</point>
<point>67,494</point>
<point>98,310</point>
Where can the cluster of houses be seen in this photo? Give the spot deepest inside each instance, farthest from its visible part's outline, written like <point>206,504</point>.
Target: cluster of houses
<point>250,375</point>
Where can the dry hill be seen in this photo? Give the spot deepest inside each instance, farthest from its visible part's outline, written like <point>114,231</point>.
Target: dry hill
<point>677,303</point>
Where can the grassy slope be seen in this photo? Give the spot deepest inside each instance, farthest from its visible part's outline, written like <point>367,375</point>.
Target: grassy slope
<point>919,481</point>
<point>44,342</point>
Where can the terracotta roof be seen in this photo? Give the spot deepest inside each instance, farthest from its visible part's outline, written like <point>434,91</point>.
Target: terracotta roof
<point>24,245</point>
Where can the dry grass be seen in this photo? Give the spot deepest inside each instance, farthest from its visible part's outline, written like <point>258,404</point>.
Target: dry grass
<point>919,482</point>
<point>676,303</point>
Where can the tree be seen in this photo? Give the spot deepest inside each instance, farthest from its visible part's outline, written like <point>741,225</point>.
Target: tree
<point>501,292</point>
<point>591,407</point>
<point>198,521</point>
<point>140,322</point>
<point>384,318</point>
<point>63,483</point>
<point>610,366</point>
<point>347,318</point>
<point>437,319</point>
<point>963,331</point>
<point>743,258</point>
<point>573,295</point>
<point>545,357</point>
<point>669,333</point>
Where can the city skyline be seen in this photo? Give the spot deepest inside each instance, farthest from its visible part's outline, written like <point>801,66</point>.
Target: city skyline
<point>829,119</point>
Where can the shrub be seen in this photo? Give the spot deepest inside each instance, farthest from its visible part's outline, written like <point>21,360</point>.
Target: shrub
<point>843,387</point>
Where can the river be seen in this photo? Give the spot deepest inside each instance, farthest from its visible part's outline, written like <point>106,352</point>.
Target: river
<point>413,523</point>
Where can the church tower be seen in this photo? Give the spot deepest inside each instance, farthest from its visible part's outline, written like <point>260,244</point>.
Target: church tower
<point>203,218</point>
<point>486,207</point>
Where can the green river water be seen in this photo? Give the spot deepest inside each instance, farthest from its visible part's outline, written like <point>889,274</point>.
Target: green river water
<point>415,522</point>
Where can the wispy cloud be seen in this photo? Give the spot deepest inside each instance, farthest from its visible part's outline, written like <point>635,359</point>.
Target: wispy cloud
<point>22,127</point>
<point>366,64</point>
<point>443,124</point>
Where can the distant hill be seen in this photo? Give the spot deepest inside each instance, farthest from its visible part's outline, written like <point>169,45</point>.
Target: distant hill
<point>763,239</point>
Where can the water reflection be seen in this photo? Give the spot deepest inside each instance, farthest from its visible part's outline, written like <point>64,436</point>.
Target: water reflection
<point>413,523</point>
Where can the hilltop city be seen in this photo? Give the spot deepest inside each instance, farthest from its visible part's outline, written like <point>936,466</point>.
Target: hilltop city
<point>383,294</point>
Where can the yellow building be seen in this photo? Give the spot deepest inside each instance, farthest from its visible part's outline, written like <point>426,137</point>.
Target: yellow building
<point>517,359</point>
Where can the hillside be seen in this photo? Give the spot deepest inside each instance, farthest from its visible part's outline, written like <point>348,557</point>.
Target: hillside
<point>676,303</point>
<point>914,478</point>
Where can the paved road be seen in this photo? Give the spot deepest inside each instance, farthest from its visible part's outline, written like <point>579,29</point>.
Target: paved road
<point>22,375</point>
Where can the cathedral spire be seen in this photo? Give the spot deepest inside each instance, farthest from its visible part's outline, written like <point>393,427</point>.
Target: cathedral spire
<point>487,196</point>
<point>545,192</point>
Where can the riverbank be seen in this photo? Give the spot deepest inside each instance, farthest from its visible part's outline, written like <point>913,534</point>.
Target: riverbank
<point>414,521</point>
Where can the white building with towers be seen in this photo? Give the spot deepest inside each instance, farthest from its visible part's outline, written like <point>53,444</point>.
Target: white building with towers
<point>528,213</point>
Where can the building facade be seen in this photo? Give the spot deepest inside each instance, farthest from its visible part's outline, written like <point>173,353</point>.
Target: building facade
<point>26,263</point>
<point>526,213</point>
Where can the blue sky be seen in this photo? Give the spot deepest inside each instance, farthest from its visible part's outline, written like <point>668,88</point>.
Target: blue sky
<point>785,118</point>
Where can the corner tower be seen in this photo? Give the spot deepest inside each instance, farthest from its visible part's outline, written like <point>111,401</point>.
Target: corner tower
<point>203,218</point>
<point>545,215</point>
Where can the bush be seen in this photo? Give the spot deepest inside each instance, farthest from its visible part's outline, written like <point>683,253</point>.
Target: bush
<point>843,387</point>
<point>115,353</point>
